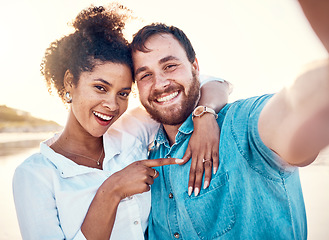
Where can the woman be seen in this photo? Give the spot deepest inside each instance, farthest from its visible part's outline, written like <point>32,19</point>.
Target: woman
<point>85,184</point>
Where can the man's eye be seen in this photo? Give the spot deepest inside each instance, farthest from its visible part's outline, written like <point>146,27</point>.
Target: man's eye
<point>170,67</point>
<point>145,76</point>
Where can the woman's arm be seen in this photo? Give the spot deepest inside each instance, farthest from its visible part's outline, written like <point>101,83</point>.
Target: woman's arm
<point>134,179</point>
<point>35,205</point>
<point>214,94</point>
<point>39,203</point>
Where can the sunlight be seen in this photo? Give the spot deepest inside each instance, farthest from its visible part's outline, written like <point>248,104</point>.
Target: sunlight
<point>252,47</point>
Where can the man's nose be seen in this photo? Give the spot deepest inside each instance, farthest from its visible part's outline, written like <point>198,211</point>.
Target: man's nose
<point>161,81</point>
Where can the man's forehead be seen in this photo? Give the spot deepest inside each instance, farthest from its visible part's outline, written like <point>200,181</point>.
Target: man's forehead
<point>144,66</point>
<point>163,45</point>
<point>161,40</point>
<point>159,49</point>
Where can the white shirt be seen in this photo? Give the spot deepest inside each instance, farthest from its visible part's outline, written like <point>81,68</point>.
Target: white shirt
<point>52,193</point>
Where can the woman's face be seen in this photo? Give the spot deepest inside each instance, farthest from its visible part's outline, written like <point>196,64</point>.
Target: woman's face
<point>100,97</point>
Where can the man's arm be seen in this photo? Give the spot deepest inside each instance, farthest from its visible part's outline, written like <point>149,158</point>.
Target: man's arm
<point>317,13</point>
<point>295,122</point>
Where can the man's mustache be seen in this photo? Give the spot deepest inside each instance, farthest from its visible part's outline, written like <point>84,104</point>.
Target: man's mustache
<point>169,89</point>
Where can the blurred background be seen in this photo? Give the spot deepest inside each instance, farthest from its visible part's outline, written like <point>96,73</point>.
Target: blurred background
<point>257,45</point>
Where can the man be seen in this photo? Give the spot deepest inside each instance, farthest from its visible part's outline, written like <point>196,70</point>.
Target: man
<point>318,17</point>
<point>256,192</point>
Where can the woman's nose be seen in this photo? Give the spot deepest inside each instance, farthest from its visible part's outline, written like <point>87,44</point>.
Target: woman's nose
<point>111,103</point>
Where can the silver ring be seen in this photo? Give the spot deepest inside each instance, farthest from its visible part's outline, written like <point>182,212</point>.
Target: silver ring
<point>155,173</point>
<point>206,160</point>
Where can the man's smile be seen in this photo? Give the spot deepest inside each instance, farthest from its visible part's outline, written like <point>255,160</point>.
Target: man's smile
<point>167,98</point>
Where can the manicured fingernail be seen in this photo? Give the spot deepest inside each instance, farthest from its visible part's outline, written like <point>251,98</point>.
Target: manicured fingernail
<point>206,184</point>
<point>215,170</point>
<point>196,191</point>
<point>190,189</point>
<point>177,160</point>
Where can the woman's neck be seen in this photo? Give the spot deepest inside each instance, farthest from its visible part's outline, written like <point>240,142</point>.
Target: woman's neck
<point>80,146</point>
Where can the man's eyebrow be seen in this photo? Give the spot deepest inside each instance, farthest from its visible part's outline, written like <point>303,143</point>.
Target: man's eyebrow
<point>141,69</point>
<point>161,61</point>
<point>168,58</point>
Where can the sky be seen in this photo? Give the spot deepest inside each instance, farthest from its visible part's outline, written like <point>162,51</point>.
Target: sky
<point>257,45</point>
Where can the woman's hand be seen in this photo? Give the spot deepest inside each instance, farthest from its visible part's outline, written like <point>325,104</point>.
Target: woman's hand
<point>204,143</point>
<point>138,176</point>
<point>203,147</point>
<point>133,179</point>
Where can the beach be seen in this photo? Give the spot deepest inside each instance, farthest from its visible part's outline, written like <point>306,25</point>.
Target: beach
<point>315,184</point>
<point>14,148</point>
<point>314,179</point>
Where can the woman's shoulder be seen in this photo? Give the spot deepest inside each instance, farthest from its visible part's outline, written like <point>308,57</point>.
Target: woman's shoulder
<point>136,123</point>
<point>135,117</point>
<point>36,163</point>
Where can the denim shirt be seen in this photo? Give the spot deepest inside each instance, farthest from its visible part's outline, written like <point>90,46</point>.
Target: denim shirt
<point>253,195</point>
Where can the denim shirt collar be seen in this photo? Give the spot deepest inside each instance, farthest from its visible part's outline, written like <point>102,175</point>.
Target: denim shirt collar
<point>184,130</point>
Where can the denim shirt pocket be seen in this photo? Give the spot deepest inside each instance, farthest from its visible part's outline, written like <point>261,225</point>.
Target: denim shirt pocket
<point>212,212</point>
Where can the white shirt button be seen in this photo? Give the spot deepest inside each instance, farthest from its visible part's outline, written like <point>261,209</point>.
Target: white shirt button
<point>136,222</point>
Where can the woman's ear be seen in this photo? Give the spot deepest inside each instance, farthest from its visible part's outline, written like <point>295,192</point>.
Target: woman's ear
<point>68,81</point>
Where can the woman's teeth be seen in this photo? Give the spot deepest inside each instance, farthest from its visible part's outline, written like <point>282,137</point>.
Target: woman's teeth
<point>167,98</point>
<point>102,116</point>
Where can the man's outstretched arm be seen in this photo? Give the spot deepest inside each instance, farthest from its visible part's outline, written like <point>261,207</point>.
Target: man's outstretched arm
<point>295,122</point>
<point>317,13</point>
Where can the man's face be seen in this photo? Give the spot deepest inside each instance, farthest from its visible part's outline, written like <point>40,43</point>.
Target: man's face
<point>167,82</point>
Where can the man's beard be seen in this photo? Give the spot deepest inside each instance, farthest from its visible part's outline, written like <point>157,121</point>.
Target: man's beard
<point>178,115</point>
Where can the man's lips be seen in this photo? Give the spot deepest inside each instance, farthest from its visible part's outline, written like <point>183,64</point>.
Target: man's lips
<point>167,98</point>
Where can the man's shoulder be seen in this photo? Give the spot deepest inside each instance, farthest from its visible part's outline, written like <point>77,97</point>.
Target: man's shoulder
<point>246,105</point>
<point>240,114</point>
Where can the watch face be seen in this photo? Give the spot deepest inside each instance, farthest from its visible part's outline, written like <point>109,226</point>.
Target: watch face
<point>198,111</point>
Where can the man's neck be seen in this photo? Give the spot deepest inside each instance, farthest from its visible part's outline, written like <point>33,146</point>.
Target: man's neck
<point>171,131</point>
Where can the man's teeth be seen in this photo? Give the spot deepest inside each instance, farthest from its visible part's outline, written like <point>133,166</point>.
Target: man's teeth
<point>102,116</point>
<point>167,98</point>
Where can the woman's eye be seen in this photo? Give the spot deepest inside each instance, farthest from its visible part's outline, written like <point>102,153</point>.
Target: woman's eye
<point>124,94</point>
<point>100,88</point>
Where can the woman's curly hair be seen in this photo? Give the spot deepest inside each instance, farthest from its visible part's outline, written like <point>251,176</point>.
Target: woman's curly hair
<point>98,36</point>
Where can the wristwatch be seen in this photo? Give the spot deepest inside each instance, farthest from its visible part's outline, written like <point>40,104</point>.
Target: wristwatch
<point>201,110</point>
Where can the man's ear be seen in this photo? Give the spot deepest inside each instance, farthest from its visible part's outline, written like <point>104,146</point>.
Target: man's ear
<point>68,81</point>
<point>195,65</point>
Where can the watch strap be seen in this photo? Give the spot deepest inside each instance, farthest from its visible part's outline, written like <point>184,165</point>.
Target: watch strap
<point>204,110</point>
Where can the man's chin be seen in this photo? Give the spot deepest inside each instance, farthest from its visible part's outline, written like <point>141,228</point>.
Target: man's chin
<point>171,117</point>
<point>168,121</point>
